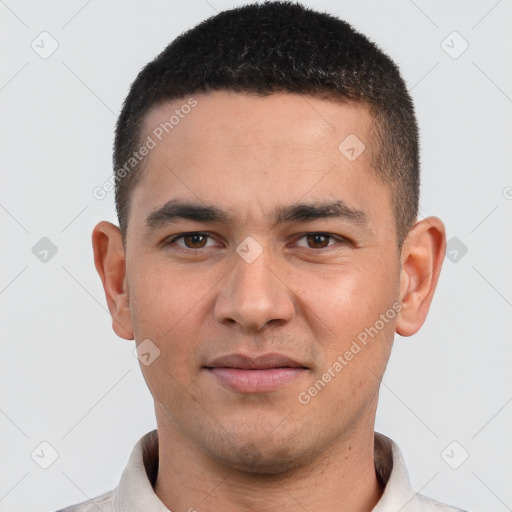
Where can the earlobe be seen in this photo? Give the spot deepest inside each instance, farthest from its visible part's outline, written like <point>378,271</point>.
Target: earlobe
<point>110,262</point>
<point>421,261</point>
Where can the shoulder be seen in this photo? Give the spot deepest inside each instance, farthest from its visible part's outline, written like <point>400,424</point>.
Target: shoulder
<point>398,494</point>
<point>104,502</point>
<point>424,504</point>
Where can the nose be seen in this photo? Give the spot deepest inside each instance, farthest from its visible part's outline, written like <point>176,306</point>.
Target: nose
<point>254,295</point>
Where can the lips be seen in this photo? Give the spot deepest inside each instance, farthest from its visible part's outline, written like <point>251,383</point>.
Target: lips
<point>258,374</point>
<point>262,362</point>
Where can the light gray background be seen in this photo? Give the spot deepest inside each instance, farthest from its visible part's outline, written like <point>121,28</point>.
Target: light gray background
<point>68,380</point>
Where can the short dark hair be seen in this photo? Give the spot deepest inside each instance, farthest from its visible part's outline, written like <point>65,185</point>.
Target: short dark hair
<point>280,47</point>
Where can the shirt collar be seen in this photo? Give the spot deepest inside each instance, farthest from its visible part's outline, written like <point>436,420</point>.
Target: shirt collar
<point>135,489</point>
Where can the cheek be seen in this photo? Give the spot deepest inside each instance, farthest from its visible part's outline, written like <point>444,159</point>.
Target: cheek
<point>344,306</point>
<point>166,309</point>
<point>161,297</point>
<point>345,299</point>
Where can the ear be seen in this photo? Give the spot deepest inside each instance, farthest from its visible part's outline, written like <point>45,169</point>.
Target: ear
<point>110,262</point>
<point>421,260</point>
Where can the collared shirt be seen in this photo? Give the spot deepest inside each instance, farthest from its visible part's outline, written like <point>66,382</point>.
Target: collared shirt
<point>135,490</point>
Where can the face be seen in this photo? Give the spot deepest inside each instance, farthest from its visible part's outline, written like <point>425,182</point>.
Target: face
<point>262,263</point>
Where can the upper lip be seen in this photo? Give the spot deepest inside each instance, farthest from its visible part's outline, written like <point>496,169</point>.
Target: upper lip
<point>261,362</point>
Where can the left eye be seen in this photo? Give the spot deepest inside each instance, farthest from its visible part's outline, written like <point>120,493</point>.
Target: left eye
<point>193,240</point>
<point>316,240</point>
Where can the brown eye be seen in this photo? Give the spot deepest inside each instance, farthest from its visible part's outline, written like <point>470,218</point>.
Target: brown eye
<point>318,240</point>
<point>195,240</point>
<point>191,242</point>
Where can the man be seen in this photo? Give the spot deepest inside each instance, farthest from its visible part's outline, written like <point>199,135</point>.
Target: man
<point>267,182</point>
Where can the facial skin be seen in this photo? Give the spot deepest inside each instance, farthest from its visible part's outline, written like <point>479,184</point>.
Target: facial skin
<point>303,297</point>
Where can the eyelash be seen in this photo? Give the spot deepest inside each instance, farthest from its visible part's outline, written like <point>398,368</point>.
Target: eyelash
<point>337,238</point>
<point>172,240</point>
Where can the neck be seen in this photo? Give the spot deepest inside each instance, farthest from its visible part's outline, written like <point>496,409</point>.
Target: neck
<point>342,477</point>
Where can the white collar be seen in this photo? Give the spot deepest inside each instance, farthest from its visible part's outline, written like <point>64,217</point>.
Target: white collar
<point>135,490</point>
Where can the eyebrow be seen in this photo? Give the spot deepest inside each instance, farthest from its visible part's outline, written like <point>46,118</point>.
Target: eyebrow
<point>174,210</point>
<point>307,212</point>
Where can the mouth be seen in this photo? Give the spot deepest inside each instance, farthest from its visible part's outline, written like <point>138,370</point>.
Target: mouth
<point>259,374</point>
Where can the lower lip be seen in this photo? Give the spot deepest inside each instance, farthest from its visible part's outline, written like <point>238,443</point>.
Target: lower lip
<point>255,381</point>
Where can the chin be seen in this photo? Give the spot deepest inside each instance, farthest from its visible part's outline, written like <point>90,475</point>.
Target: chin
<point>263,457</point>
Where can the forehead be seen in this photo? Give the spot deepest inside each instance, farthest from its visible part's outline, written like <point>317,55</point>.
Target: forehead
<point>240,151</point>
<point>225,118</point>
